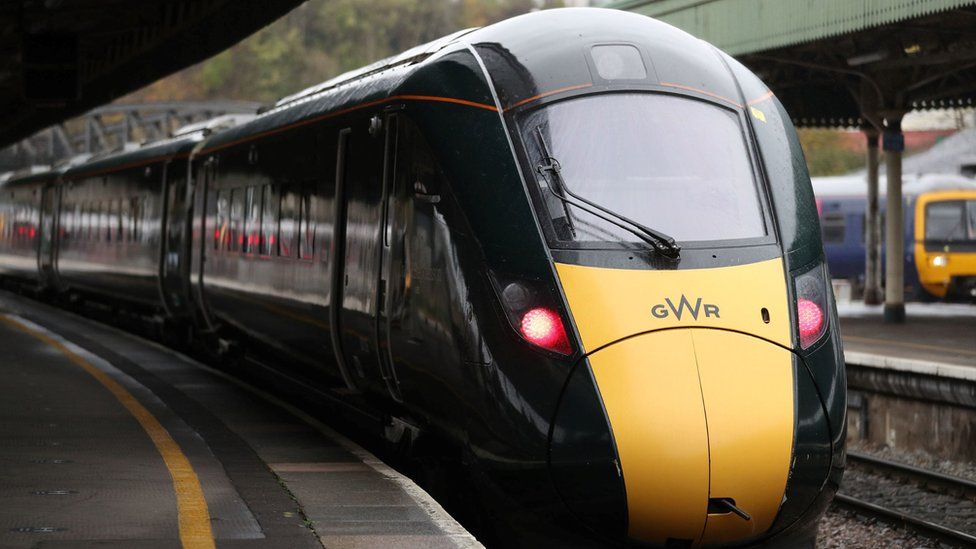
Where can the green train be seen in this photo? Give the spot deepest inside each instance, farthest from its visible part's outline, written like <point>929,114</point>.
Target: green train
<point>579,248</point>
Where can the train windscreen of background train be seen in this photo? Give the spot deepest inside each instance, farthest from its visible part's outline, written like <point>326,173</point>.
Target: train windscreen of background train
<point>679,166</point>
<point>950,220</point>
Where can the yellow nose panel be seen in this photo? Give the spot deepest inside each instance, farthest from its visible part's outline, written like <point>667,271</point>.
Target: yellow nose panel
<point>650,388</point>
<point>697,413</point>
<point>747,387</point>
<point>609,304</point>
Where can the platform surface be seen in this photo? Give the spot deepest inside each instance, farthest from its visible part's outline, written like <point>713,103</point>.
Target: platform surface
<point>936,337</point>
<point>107,440</point>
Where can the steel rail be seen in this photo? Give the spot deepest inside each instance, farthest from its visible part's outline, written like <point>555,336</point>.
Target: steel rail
<point>910,472</point>
<point>933,478</point>
<point>923,527</point>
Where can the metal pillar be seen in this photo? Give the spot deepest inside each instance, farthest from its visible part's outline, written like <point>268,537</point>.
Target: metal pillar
<point>872,225</point>
<point>894,145</point>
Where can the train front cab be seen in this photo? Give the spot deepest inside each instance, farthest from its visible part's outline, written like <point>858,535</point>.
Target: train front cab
<point>718,373</point>
<point>945,243</point>
<point>692,358</point>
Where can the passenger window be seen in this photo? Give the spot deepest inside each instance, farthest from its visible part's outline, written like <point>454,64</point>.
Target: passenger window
<point>236,219</point>
<point>123,220</point>
<point>306,231</point>
<point>833,228</point>
<point>111,228</point>
<point>221,226</point>
<point>105,227</point>
<point>134,219</point>
<point>252,226</point>
<point>88,220</point>
<point>288,222</point>
<point>269,220</point>
<point>75,222</point>
<point>119,216</point>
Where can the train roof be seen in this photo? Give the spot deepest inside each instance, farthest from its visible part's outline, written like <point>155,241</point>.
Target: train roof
<point>29,176</point>
<point>42,173</point>
<point>133,157</point>
<point>412,56</point>
<point>528,57</point>
<point>373,82</point>
<point>852,186</point>
<point>550,51</point>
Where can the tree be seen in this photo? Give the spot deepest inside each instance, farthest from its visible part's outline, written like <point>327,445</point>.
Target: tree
<point>323,38</point>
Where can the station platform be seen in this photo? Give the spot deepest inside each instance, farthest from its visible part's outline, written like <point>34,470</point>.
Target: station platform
<point>107,440</point>
<point>937,338</point>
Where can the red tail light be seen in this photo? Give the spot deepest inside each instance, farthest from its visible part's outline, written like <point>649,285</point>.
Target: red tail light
<point>811,306</point>
<point>532,309</point>
<point>810,319</point>
<point>544,327</point>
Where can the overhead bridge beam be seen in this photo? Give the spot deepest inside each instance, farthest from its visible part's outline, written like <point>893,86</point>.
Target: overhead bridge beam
<point>111,127</point>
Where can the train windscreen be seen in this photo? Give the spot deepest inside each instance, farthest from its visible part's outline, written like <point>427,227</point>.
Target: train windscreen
<point>678,166</point>
<point>950,221</point>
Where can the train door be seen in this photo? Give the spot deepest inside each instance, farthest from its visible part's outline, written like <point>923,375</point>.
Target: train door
<point>173,271</point>
<point>362,171</point>
<point>389,286</point>
<point>47,244</point>
<point>208,217</point>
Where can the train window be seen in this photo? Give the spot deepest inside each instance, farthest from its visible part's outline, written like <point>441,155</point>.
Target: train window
<point>89,219</point>
<point>833,226</point>
<point>306,228</point>
<point>679,166</point>
<point>134,216</point>
<point>111,228</point>
<point>971,215</point>
<point>236,220</point>
<point>222,223</point>
<point>76,223</point>
<point>102,220</point>
<point>123,219</point>
<point>269,220</point>
<point>287,221</point>
<point>950,220</point>
<point>252,225</point>
<point>96,221</point>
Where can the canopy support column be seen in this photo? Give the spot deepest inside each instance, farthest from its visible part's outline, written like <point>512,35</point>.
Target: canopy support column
<point>894,145</point>
<point>872,225</point>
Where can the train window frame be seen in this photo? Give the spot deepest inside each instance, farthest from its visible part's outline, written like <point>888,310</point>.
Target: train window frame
<point>833,227</point>
<point>516,119</point>
<point>252,219</point>
<point>964,206</point>
<point>123,221</point>
<point>221,219</point>
<point>235,243</point>
<point>268,240</point>
<point>135,232</point>
<point>290,194</point>
<point>306,224</point>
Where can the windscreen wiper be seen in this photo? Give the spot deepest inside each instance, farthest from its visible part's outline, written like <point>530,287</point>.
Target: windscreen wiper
<point>662,243</point>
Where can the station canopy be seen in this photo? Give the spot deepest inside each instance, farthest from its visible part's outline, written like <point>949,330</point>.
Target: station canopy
<point>59,58</point>
<point>831,61</point>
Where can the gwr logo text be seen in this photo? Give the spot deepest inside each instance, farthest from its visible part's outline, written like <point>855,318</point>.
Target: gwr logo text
<point>668,308</point>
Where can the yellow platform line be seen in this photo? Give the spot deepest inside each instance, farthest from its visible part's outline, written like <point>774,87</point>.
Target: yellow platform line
<point>194,517</point>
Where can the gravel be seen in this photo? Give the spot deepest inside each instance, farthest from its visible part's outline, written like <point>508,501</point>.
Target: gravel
<point>845,528</point>
<point>848,530</point>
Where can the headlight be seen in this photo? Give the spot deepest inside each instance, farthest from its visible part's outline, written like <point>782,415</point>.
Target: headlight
<point>940,261</point>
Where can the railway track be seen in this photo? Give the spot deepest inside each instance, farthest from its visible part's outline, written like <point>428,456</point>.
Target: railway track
<point>930,481</point>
